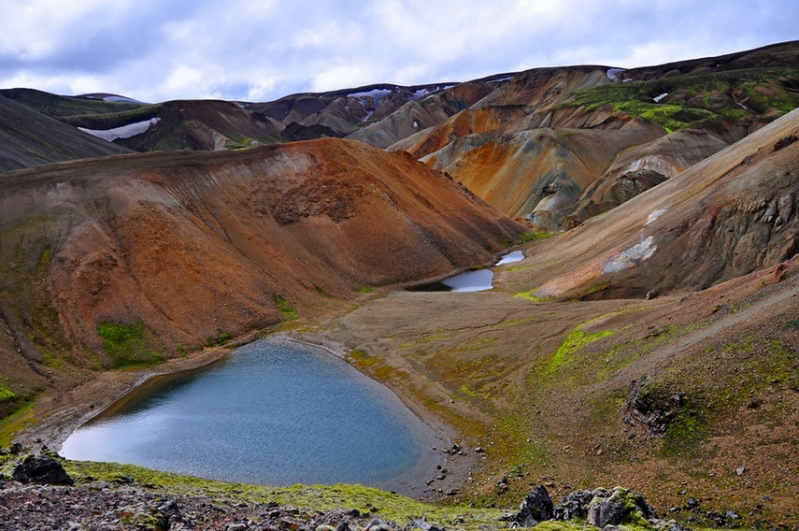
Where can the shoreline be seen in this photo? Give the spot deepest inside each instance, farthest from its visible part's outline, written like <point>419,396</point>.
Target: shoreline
<point>105,393</point>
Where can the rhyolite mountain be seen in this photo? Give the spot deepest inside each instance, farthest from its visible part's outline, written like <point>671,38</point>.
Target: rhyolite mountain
<point>541,145</point>
<point>651,344</point>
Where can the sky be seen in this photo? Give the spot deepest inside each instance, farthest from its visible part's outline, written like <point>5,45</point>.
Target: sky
<point>260,50</point>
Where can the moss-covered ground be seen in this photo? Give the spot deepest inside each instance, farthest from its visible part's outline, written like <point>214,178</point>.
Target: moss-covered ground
<point>696,99</point>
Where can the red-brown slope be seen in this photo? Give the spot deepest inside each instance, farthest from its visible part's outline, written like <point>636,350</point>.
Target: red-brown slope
<point>733,213</point>
<point>194,245</point>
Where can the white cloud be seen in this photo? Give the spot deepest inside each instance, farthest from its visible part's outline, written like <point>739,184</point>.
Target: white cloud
<point>257,50</point>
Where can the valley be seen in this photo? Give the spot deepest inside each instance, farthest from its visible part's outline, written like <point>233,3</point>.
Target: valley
<point>647,338</point>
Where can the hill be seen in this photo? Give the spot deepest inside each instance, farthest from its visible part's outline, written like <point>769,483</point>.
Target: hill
<point>653,346</point>
<point>126,261</point>
<point>29,138</point>
<point>648,337</point>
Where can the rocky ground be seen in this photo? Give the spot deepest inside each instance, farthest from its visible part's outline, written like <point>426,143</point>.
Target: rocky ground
<point>37,493</point>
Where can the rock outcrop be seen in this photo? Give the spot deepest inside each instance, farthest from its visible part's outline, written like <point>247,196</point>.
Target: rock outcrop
<point>41,469</point>
<point>600,508</point>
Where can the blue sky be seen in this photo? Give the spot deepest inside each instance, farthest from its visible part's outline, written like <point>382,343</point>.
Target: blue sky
<point>259,50</point>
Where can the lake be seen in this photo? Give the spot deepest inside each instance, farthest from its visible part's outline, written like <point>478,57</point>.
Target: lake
<point>479,280</point>
<point>274,413</point>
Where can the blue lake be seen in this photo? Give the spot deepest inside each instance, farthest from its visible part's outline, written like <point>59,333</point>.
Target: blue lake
<point>274,413</point>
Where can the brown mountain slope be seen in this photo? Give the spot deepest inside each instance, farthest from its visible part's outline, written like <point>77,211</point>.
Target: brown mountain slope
<point>537,171</point>
<point>725,98</point>
<point>177,250</point>
<point>566,374</point>
<point>730,214</point>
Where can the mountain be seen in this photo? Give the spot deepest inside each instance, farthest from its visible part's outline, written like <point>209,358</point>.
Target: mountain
<point>185,248</point>
<point>647,338</point>
<point>652,346</point>
<point>29,138</point>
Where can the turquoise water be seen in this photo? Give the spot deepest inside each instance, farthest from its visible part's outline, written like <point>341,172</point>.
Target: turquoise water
<point>273,413</point>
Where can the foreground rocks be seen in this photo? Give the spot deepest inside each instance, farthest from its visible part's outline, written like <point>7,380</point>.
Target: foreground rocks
<point>600,508</point>
<point>118,507</point>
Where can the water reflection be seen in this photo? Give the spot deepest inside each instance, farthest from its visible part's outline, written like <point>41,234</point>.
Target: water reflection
<point>272,413</point>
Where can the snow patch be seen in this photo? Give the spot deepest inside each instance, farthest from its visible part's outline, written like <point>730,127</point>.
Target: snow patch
<point>655,214</point>
<point>126,131</point>
<point>501,80</point>
<point>375,94</point>
<point>415,123</point>
<point>612,72</point>
<point>626,259</point>
<point>658,98</point>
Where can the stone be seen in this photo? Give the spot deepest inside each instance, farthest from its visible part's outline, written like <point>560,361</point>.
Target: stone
<point>41,469</point>
<point>574,505</point>
<point>605,513</point>
<point>535,508</point>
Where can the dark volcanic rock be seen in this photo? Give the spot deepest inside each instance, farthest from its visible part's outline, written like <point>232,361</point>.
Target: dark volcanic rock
<point>574,505</point>
<point>41,469</point>
<point>605,513</point>
<point>536,507</point>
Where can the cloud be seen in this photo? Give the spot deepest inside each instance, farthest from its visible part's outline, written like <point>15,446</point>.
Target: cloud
<point>260,50</point>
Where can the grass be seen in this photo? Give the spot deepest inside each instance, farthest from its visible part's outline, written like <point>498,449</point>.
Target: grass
<point>697,98</point>
<point>59,106</point>
<point>6,394</point>
<point>18,419</point>
<point>364,289</point>
<point>530,297</point>
<point>287,312</point>
<point>382,504</point>
<point>223,337</point>
<point>576,340</point>
<point>237,141</point>
<point>128,345</point>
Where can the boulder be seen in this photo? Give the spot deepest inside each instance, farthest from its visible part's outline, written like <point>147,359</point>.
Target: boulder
<point>41,469</point>
<point>536,507</point>
<point>605,512</point>
<point>574,505</point>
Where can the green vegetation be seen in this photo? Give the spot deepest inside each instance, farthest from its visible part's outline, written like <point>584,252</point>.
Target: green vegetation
<point>237,141</point>
<point>286,311</point>
<point>792,325</point>
<point>575,341</point>
<point>699,98</point>
<point>223,337</point>
<point>58,106</point>
<point>18,419</point>
<point>128,345</point>
<point>530,297</point>
<point>6,394</point>
<point>383,504</point>
<point>116,118</point>
<point>364,289</point>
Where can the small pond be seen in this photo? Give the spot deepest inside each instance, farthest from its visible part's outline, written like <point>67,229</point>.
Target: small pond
<point>509,258</point>
<point>274,413</point>
<point>480,280</point>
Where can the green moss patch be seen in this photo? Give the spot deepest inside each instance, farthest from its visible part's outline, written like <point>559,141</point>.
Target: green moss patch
<point>6,394</point>
<point>385,505</point>
<point>128,345</point>
<point>287,312</point>
<point>576,340</point>
<point>695,99</point>
<point>530,297</point>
